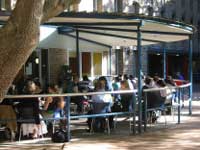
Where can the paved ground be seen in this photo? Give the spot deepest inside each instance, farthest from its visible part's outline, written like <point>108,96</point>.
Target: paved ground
<point>180,137</point>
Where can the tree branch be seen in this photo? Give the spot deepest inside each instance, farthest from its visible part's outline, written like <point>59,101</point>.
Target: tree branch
<point>55,7</point>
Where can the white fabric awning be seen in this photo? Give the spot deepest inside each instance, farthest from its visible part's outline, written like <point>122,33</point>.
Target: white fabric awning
<point>49,38</point>
<point>99,31</point>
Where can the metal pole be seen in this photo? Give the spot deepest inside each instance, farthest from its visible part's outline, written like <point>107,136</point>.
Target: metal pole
<point>145,112</point>
<point>139,40</point>
<point>179,105</point>
<point>77,53</point>
<point>116,61</point>
<point>190,73</point>
<point>110,61</point>
<point>68,118</point>
<point>164,62</point>
<point>134,112</point>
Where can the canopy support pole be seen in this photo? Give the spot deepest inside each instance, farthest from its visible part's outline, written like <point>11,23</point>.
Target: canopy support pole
<point>68,118</point>
<point>139,75</point>
<point>164,62</point>
<point>190,74</point>
<point>110,60</point>
<point>116,62</point>
<point>77,54</point>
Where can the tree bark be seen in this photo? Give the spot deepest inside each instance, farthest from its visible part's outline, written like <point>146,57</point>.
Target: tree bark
<point>20,36</point>
<point>17,40</point>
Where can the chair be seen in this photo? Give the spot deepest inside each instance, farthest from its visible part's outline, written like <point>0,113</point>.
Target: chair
<point>57,122</point>
<point>155,103</point>
<point>99,108</point>
<point>28,115</point>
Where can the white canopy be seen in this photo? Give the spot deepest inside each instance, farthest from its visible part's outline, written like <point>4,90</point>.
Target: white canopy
<point>101,31</point>
<point>49,38</point>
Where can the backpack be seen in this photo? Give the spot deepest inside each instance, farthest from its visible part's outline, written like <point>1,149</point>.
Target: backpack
<point>59,136</point>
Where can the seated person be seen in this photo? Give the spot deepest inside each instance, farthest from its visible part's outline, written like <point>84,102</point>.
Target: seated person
<point>108,85</point>
<point>85,84</point>
<point>54,105</point>
<point>154,98</point>
<point>101,104</point>
<point>78,100</point>
<point>117,104</point>
<point>170,83</point>
<point>54,108</point>
<point>38,128</point>
<point>126,99</point>
<point>102,98</point>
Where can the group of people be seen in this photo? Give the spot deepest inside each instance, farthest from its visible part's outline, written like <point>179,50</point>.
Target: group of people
<point>53,107</point>
<point>159,98</point>
<point>35,108</point>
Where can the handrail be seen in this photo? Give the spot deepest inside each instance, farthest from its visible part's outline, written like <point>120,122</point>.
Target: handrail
<point>165,88</point>
<point>94,93</point>
<point>70,94</point>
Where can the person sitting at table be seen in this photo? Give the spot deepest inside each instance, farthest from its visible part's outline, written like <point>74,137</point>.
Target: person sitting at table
<point>126,99</point>
<point>171,84</point>
<point>154,98</point>
<point>85,84</point>
<point>54,105</point>
<point>37,129</point>
<point>101,99</point>
<point>78,88</point>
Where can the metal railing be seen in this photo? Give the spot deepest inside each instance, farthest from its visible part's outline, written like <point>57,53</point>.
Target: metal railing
<point>68,117</point>
<point>179,91</point>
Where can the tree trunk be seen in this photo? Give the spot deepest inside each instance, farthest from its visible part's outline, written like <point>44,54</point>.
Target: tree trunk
<point>20,36</point>
<point>17,40</point>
